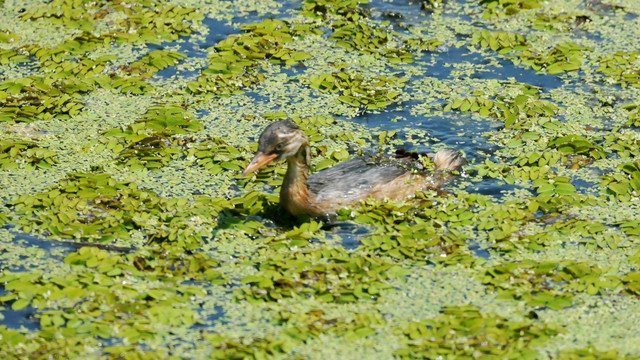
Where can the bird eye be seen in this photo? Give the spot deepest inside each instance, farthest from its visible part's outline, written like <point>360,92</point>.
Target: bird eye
<point>279,146</point>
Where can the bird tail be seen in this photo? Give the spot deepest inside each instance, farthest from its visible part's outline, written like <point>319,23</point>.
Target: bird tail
<point>448,159</point>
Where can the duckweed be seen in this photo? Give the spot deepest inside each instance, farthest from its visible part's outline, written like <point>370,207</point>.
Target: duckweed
<point>150,141</point>
<point>14,154</point>
<point>623,185</point>
<point>464,331</point>
<point>344,278</point>
<point>234,61</point>
<point>94,207</point>
<point>34,98</point>
<point>561,58</point>
<point>517,111</point>
<point>621,68</point>
<point>551,284</point>
<point>371,94</point>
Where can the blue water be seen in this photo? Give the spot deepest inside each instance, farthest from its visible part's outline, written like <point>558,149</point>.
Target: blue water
<point>16,319</point>
<point>350,233</point>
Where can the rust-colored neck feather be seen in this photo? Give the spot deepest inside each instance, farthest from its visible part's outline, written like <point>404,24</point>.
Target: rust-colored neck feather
<point>295,195</point>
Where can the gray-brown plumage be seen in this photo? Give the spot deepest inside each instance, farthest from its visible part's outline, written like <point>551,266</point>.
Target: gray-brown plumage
<point>344,184</point>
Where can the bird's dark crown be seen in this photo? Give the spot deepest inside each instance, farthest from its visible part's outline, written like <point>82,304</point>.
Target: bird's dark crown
<point>271,136</point>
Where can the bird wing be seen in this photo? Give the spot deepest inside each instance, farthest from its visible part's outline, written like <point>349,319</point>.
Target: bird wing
<point>352,180</point>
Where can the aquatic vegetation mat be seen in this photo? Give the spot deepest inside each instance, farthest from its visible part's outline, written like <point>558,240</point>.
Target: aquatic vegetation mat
<point>128,231</point>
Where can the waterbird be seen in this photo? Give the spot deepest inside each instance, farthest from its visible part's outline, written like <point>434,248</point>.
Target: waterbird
<point>357,179</point>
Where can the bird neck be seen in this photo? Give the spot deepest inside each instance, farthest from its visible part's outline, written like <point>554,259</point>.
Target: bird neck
<point>295,195</point>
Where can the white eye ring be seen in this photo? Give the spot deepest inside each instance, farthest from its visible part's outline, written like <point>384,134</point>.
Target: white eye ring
<point>279,146</point>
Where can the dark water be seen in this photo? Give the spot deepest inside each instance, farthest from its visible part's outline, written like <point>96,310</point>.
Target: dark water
<point>15,319</point>
<point>479,251</point>
<point>218,31</point>
<point>350,233</point>
<point>216,317</point>
<point>29,240</point>
<point>492,187</point>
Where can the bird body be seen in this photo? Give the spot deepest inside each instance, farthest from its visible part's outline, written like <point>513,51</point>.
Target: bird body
<point>346,183</point>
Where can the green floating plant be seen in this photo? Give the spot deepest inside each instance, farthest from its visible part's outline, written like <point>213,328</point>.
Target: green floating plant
<point>154,140</point>
<point>71,65</point>
<point>70,60</point>
<point>634,115</point>
<point>422,44</point>
<point>591,353</point>
<point>554,186</point>
<point>217,156</point>
<point>4,216</point>
<point>266,40</point>
<point>465,332</point>
<point>517,110</point>
<point>562,58</point>
<point>152,264</point>
<point>591,233</point>
<point>502,171</point>
<point>8,56</point>
<point>622,68</point>
<point>432,5</point>
<point>124,298</point>
<point>549,284</point>
<point>418,234</point>
<point>577,144</point>
<point>632,283</point>
<point>260,347</point>
<point>353,32</point>
<point>631,228</point>
<point>133,85</point>
<point>153,20</point>
<point>372,94</point>
<point>95,207</point>
<point>297,330</point>
<point>501,41</point>
<point>14,154</point>
<point>503,221</point>
<point>7,37</point>
<point>561,22</point>
<point>624,185</point>
<point>324,8</point>
<point>539,159</point>
<point>12,345</point>
<point>427,244</point>
<point>551,202</point>
<point>38,98</point>
<point>508,7</point>
<point>328,275</point>
<point>234,61</point>
<point>315,322</point>
<point>155,61</point>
